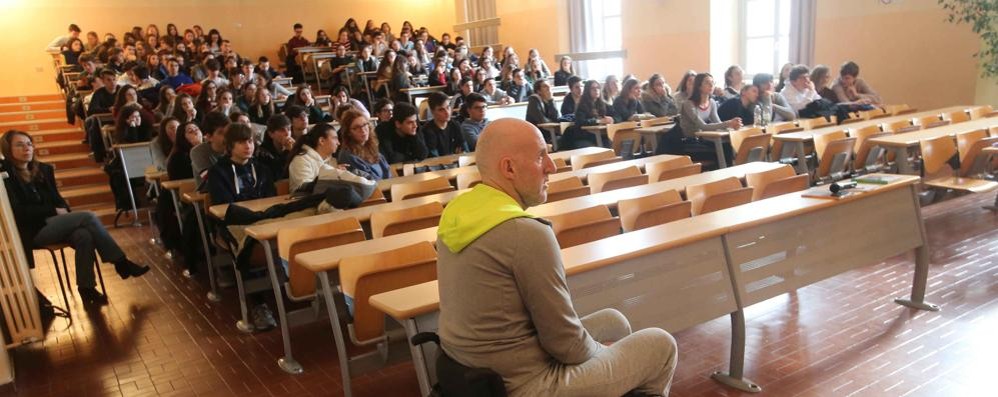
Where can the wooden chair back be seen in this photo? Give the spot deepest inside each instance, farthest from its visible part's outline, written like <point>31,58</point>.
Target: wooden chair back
<point>583,226</point>
<point>622,132</point>
<point>617,179</point>
<point>817,122</point>
<point>777,145</point>
<point>561,165</point>
<point>894,109</point>
<point>404,191</point>
<point>936,153</point>
<point>835,159</point>
<point>377,197</point>
<point>900,127</point>
<point>566,188</point>
<point>648,211</point>
<point>753,148</point>
<point>698,194</point>
<point>364,276</point>
<point>656,121</point>
<point>930,121</point>
<point>295,240</point>
<point>958,116</point>
<point>387,223</point>
<point>868,155</point>
<point>967,139</point>
<point>821,141</point>
<point>656,170</point>
<point>981,112</point>
<point>727,199</point>
<point>580,161</point>
<point>973,162</point>
<point>468,179</point>
<point>738,136</point>
<point>760,181</point>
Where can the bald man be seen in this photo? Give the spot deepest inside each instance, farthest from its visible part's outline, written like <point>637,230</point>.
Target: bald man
<point>504,301</point>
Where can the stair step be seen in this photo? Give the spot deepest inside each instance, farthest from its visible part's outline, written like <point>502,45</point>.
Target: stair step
<point>65,134</point>
<point>37,125</point>
<point>69,161</point>
<point>81,177</point>
<point>31,115</point>
<point>106,212</point>
<point>30,98</point>
<point>42,105</point>
<point>88,194</point>
<point>61,147</point>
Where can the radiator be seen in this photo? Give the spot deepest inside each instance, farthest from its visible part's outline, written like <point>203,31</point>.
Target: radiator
<point>17,293</point>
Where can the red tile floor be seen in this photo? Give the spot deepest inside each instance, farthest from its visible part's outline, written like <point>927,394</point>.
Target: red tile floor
<point>841,337</point>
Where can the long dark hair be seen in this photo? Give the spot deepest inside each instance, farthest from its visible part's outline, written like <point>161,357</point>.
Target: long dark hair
<point>183,145</point>
<point>682,82</point>
<point>695,96</point>
<point>164,141</point>
<point>178,109</point>
<point>119,98</point>
<point>311,138</point>
<point>34,172</point>
<point>596,105</point>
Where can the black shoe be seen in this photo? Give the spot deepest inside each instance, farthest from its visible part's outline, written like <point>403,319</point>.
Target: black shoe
<point>127,268</point>
<point>91,297</point>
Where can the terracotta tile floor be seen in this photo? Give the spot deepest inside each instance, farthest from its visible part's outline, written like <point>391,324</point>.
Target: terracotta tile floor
<point>840,337</point>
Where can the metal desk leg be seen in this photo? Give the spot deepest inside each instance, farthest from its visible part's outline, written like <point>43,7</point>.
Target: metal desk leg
<point>719,148</point>
<point>599,138</point>
<point>213,294</point>
<point>176,209</point>
<point>901,158</point>
<point>287,363</point>
<point>334,320</point>
<point>801,158</point>
<point>131,195</point>
<point>418,359</point>
<point>735,376</point>
<point>917,299</point>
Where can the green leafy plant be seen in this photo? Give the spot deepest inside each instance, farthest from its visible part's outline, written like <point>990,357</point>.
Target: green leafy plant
<point>982,16</point>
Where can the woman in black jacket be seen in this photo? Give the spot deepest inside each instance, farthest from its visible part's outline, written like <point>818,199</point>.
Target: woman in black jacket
<point>43,217</point>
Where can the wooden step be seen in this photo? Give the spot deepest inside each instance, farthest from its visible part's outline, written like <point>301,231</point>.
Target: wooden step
<point>106,212</point>
<point>69,161</point>
<point>30,98</point>
<point>31,115</point>
<point>81,177</point>
<point>88,194</point>
<point>37,125</point>
<point>24,107</point>
<point>61,147</point>
<point>66,134</point>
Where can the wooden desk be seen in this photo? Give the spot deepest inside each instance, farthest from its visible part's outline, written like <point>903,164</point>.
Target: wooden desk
<point>797,140</point>
<point>639,162</point>
<point>651,133</point>
<point>900,143</point>
<point>597,130</point>
<point>718,138</point>
<point>553,130</point>
<point>417,91</point>
<point>691,271</point>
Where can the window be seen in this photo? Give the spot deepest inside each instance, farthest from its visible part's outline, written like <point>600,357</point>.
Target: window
<point>481,16</point>
<point>603,32</point>
<point>765,32</point>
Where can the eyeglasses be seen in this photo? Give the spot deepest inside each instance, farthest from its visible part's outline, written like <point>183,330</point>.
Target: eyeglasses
<point>23,145</point>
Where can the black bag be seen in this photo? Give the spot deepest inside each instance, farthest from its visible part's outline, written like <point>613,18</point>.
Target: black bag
<point>116,173</point>
<point>818,108</point>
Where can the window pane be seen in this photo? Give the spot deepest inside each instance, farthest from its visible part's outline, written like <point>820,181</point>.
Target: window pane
<point>784,17</point>
<point>611,7</point>
<point>783,52</point>
<point>612,32</point>
<point>759,55</point>
<point>760,17</point>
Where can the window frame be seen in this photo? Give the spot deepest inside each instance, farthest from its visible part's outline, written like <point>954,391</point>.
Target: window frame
<point>777,36</point>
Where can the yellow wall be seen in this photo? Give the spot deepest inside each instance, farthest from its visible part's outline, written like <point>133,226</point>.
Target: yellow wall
<point>540,24</point>
<point>667,37</point>
<point>255,27</point>
<point>906,50</point>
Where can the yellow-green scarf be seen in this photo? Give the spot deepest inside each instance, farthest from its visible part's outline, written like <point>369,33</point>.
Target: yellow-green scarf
<point>474,213</point>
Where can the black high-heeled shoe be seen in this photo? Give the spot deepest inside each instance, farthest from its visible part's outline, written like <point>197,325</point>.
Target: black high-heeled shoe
<point>127,268</point>
<point>91,297</point>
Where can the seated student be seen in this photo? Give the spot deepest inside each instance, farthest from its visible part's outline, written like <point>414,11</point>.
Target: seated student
<point>571,100</point>
<point>312,156</point>
<point>43,217</point>
<point>438,75</point>
<point>784,74</point>
<point>564,71</point>
<point>822,79</point>
<point>383,109</point>
<point>299,120</point>
<point>519,90</point>
<point>360,149</point>
<point>71,55</point>
<point>339,66</point>
<point>263,68</point>
<point>247,97</point>
<point>275,150</point>
<point>59,43</point>
<point>226,102</point>
<point>781,110</point>
<point>732,83</point>
<point>465,87</point>
<point>104,97</point>
<point>850,88</point>
<point>303,97</point>
<point>125,96</point>
<point>402,141</point>
<point>178,165</point>
<point>207,154</point>
<point>699,113</point>
<point>744,106</point>
<point>133,125</point>
<point>174,77</point>
<point>627,105</point>
<point>590,110</point>
<point>164,108</point>
<point>341,96</point>
<point>657,97</point>
<point>540,105</point>
<point>474,119</point>
<point>801,91</point>
<point>239,177</point>
<point>441,134</point>
<point>524,326</point>
<point>262,107</point>
<point>611,89</point>
<point>162,146</point>
<point>492,94</point>
<point>185,111</point>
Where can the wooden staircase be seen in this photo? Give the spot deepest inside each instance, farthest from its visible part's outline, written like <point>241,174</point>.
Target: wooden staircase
<point>80,179</point>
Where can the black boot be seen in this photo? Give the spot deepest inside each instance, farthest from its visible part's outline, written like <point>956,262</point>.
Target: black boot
<point>91,297</point>
<point>127,268</point>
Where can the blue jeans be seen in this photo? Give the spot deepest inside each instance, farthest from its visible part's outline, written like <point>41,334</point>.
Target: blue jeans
<point>84,232</point>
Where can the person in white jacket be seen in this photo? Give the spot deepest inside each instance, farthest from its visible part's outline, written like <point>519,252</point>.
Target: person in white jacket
<point>313,160</point>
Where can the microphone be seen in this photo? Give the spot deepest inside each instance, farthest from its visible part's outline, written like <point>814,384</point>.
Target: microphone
<point>839,187</point>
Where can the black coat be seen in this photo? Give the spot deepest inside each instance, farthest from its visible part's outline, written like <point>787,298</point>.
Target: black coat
<point>32,203</point>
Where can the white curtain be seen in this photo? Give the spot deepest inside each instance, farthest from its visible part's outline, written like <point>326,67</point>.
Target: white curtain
<point>577,31</point>
<point>802,16</point>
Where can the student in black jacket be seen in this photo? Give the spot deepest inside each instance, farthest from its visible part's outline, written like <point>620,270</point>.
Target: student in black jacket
<point>103,98</point>
<point>574,95</point>
<point>43,217</point>
<point>275,151</point>
<point>519,89</point>
<point>442,134</point>
<point>627,104</point>
<point>540,105</point>
<point>741,106</point>
<point>402,141</point>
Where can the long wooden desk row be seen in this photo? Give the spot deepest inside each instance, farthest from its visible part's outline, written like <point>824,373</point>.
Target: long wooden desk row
<point>688,272</point>
<point>900,143</point>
